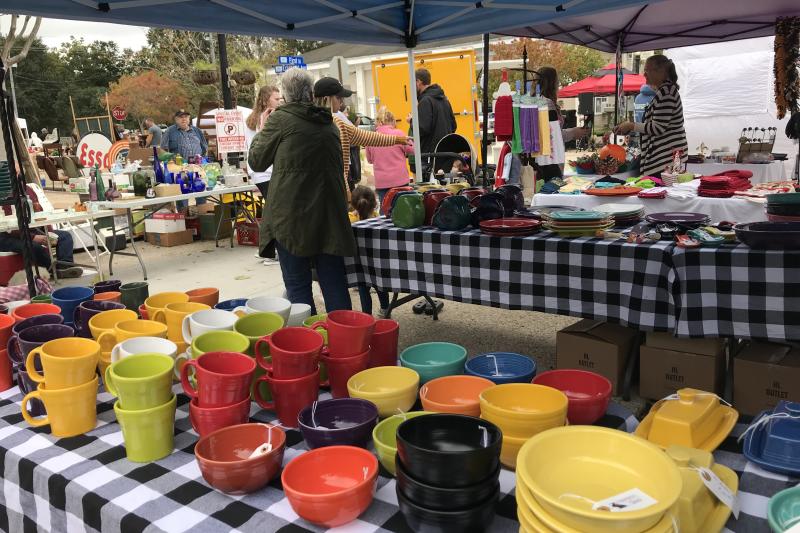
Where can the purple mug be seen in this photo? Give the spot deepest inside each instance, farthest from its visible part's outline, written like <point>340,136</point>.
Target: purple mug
<point>86,310</point>
<point>108,285</point>
<point>35,336</point>
<point>26,385</point>
<point>36,320</point>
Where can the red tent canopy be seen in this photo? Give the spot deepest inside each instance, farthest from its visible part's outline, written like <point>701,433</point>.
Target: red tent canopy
<point>602,82</point>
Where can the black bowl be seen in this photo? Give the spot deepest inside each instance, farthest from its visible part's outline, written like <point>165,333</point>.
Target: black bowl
<point>440,499</point>
<point>784,210</point>
<point>769,235</point>
<point>476,519</point>
<point>449,451</point>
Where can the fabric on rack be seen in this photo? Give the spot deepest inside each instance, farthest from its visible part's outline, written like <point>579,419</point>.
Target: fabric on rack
<point>557,155</point>
<point>544,132</point>
<point>516,141</point>
<point>534,125</point>
<point>503,118</point>
<point>524,128</point>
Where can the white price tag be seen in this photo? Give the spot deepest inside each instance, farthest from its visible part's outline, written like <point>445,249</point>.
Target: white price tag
<point>720,490</point>
<point>630,500</point>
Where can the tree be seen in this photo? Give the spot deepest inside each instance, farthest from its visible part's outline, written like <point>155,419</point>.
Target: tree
<point>148,94</point>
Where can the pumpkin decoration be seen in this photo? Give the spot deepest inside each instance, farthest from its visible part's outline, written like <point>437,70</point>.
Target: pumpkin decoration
<point>613,150</point>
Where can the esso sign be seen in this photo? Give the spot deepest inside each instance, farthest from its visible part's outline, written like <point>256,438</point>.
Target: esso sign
<point>118,113</point>
<point>93,149</point>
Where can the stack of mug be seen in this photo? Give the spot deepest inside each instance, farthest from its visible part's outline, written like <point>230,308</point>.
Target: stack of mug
<point>348,351</point>
<point>67,387</point>
<point>145,407</point>
<point>290,359</point>
<point>110,328</point>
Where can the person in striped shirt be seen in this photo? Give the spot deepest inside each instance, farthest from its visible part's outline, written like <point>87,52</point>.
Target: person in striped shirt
<point>662,129</point>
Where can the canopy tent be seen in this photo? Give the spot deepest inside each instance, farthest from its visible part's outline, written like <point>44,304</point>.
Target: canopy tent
<point>603,81</point>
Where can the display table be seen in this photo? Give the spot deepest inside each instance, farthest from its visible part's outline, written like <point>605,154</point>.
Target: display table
<point>85,483</point>
<point>732,209</point>
<point>762,173</point>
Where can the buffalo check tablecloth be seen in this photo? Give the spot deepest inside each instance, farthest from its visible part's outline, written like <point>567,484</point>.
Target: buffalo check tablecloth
<point>84,483</point>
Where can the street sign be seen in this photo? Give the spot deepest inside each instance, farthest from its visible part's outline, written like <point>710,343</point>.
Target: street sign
<point>280,69</point>
<point>118,113</point>
<point>230,131</point>
<point>291,60</point>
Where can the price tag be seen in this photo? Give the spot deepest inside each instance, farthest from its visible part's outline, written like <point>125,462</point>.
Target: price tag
<point>720,490</point>
<point>630,500</point>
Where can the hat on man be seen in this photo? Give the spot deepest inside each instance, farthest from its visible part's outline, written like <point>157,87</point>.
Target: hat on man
<point>331,87</point>
<point>181,112</point>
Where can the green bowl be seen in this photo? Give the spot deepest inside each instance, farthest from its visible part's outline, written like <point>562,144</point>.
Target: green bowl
<point>384,436</point>
<point>433,360</point>
<point>791,198</point>
<point>783,510</point>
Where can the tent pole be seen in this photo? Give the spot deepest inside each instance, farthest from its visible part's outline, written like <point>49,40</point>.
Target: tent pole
<point>524,68</point>
<point>617,79</point>
<point>412,81</point>
<point>485,91</point>
<point>223,71</point>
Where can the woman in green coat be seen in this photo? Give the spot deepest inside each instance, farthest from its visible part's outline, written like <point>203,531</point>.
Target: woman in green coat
<point>307,201</point>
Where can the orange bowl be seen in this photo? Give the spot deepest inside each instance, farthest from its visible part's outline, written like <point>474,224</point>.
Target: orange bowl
<point>331,486</point>
<point>454,394</point>
<point>204,295</point>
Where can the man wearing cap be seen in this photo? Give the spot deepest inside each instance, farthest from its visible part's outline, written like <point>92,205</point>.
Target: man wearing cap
<point>183,138</point>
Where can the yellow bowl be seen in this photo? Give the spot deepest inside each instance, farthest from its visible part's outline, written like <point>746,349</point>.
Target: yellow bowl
<point>384,436</point>
<point>522,429</point>
<point>392,388</point>
<point>594,464</point>
<point>524,401</point>
<point>510,450</point>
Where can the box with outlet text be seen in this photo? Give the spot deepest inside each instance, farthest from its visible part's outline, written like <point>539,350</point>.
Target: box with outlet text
<point>765,373</point>
<point>662,372</point>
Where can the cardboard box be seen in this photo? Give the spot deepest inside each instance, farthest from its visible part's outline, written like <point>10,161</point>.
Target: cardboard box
<point>596,346</point>
<point>170,239</point>
<point>667,341</point>
<point>763,374</point>
<point>662,372</point>
<point>163,189</point>
<point>153,225</point>
<point>145,155</point>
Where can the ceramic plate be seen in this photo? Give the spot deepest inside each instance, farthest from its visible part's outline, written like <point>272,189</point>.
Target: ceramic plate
<point>620,209</point>
<point>614,191</point>
<point>580,224</point>
<point>546,210</point>
<point>572,216</point>
<point>509,224</point>
<point>729,418</point>
<point>691,218</point>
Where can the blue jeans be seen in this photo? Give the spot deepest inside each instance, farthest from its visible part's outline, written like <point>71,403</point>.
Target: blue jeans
<point>381,194</point>
<point>366,298</point>
<point>296,272</point>
<point>13,243</point>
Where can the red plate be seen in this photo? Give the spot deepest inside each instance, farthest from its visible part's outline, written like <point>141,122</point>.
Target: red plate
<point>614,191</point>
<point>509,224</point>
<point>510,233</point>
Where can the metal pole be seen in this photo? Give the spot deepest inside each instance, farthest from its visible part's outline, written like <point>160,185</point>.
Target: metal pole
<point>524,69</point>
<point>617,79</point>
<point>412,80</point>
<point>223,69</point>
<point>485,91</point>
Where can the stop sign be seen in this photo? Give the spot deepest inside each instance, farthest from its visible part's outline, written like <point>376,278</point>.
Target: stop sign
<point>118,113</point>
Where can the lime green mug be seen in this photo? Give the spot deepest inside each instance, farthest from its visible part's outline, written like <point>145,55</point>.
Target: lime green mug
<point>148,433</point>
<point>141,381</point>
<point>256,325</point>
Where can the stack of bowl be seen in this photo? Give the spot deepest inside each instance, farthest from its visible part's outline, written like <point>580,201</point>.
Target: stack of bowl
<point>522,410</point>
<point>392,388</point>
<point>433,360</point>
<point>502,367</point>
<point>588,393</point>
<point>448,471</point>
<point>590,470</point>
<point>783,207</point>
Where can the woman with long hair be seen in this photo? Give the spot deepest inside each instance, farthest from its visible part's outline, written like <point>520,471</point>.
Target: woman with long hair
<point>389,162</point>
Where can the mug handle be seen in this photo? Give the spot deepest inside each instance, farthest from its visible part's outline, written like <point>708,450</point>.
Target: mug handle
<point>30,365</point>
<point>180,361</point>
<point>115,356</point>
<point>324,356</point>
<point>259,356</point>
<point>159,316</point>
<point>187,386</point>
<point>109,383</point>
<point>27,416</point>
<point>107,335</point>
<point>239,311</point>
<point>257,392</point>
<point>14,352</point>
<point>321,324</point>
<point>186,330</point>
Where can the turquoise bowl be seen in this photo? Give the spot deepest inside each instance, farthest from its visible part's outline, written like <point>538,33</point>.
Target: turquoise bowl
<point>783,510</point>
<point>433,360</point>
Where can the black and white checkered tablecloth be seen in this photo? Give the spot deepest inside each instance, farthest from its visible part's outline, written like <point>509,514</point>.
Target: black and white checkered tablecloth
<point>737,291</point>
<point>85,483</point>
<point>584,277</point>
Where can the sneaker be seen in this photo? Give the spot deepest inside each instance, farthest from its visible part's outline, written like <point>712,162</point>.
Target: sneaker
<point>270,262</point>
<point>69,272</point>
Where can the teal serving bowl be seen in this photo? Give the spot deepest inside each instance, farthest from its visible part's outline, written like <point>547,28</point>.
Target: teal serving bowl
<point>433,360</point>
<point>783,510</point>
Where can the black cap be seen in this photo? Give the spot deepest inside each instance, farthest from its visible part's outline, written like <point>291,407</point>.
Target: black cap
<point>331,87</point>
<point>181,112</point>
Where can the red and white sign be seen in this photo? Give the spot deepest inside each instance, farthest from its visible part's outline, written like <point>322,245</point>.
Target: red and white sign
<point>93,149</point>
<point>230,131</point>
<point>118,113</point>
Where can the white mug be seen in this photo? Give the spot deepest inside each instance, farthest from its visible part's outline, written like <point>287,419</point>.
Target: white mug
<point>207,320</point>
<point>298,313</point>
<point>271,304</point>
<point>144,345</point>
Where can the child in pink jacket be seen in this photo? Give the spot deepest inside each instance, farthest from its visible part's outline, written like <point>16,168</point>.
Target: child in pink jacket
<point>388,162</point>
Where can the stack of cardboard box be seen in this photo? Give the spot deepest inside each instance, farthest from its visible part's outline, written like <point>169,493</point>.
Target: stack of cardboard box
<point>165,228</point>
<point>763,374</point>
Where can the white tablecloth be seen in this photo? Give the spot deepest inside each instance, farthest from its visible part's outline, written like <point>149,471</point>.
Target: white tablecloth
<point>732,209</point>
<point>774,171</point>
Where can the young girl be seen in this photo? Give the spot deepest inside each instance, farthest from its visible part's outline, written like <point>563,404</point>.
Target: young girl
<point>364,203</point>
<point>389,162</point>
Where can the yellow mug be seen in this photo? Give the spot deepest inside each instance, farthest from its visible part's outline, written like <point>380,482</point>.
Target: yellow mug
<point>106,321</point>
<point>129,329</point>
<point>70,412</point>
<point>66,362</point>
<point>173,314</point>
<point>162,299</point>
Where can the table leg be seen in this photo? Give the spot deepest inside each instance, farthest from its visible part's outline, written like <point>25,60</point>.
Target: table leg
<point>630,365</point>
<point>111,251</point>
<point>96,243</point>
<point>133,244</point>
<point>53,257</point>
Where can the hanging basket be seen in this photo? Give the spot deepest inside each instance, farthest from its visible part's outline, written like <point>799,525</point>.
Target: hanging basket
<point>205,77</point>
<point>244,77</point>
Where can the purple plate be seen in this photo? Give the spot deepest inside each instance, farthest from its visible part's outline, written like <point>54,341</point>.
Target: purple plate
<point>678,217</point>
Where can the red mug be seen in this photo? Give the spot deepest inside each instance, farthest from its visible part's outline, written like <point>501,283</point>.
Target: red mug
<point>223,378</point>
<point>289,396</point>
<point>208,419</point>
<point>349,332</point>
<point>341,369</point>
<point>294,352</point>
<point>383,348</point>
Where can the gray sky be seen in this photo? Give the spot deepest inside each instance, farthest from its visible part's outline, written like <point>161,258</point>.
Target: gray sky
<point>54,32</point>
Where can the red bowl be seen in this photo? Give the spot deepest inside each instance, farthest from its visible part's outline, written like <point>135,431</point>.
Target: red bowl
<point>331,486</point>
<point>431,200</point>
<point>588,393</point>
<point>224,460</point>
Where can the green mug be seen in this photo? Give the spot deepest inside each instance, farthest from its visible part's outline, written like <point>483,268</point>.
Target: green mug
<point>134,294</point>
<point>216,341</point>
<point>42,299</point>
<point>256,325</point>
<point>148,433</point>
<point>141,381</point>
<point>323,368</point>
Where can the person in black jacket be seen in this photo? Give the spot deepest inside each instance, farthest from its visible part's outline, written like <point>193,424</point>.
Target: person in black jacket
<point>436,117</point>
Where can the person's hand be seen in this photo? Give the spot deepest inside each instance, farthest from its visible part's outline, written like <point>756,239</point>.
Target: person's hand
<point>40,239</point>
<point>624,128</point>
<point>580,133</point>
<point>264,116</point>
<point>408,118</point>
<point>404,140</point>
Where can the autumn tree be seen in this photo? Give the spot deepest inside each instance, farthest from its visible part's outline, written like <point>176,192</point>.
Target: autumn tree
<point>148,94</point>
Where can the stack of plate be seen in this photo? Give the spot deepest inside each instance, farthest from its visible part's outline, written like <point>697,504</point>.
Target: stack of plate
<point>784,207</point>
<point>693,220</point>
<point>5,180</point>
<point>510,227</point>
<point>577,223</point>
<point>624,214</point>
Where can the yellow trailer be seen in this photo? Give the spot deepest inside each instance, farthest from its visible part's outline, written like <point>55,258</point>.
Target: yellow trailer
<point>452,71</point>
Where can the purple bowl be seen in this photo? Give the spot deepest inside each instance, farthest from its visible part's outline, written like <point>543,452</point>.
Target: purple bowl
<point>341,421</point>
<point>108,285</point>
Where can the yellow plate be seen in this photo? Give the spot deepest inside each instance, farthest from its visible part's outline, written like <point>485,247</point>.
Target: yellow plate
<point>729,418</point>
